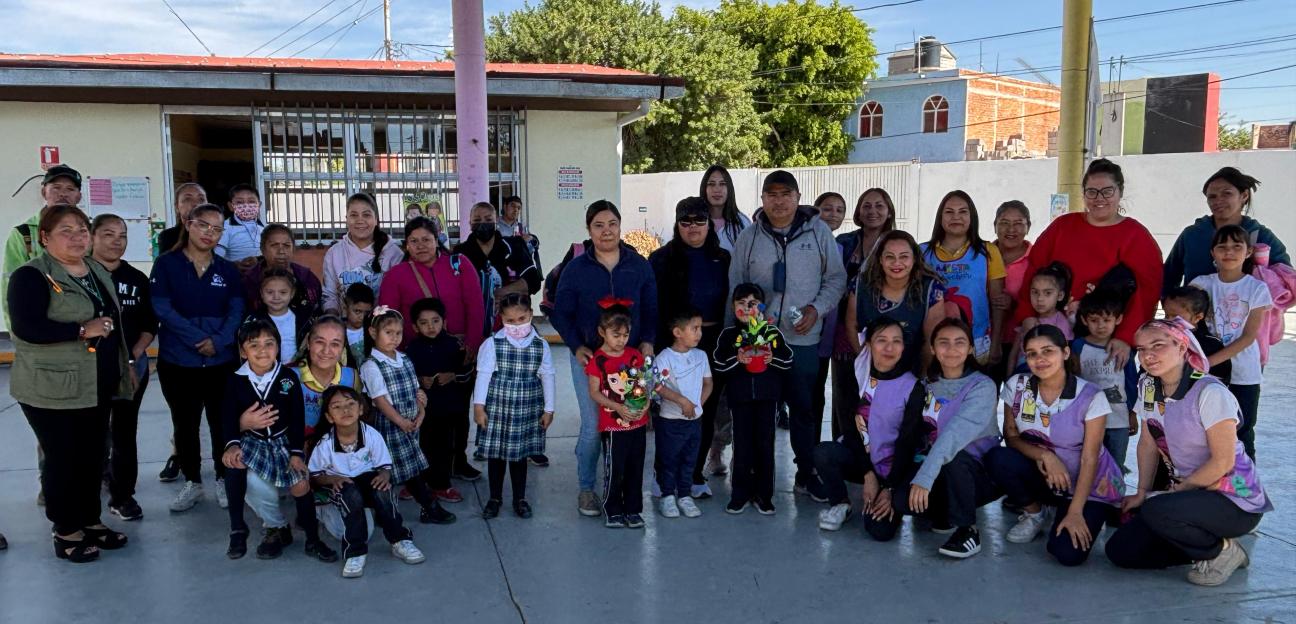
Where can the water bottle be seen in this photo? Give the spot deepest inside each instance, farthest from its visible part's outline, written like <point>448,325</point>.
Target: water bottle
<point>795,314</point>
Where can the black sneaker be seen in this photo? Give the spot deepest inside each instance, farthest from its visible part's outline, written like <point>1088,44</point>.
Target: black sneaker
<point>171,471</point>
<point>237,545</point>
<point>491,509</point>
<point>736,507</point>
<point>272,544</point>
<point>126,510</point>
<point>540,460</point>
<point>963,544</point>
<point>467,473</point>
<point>319,550</point>
<point>615,522</point>
<point>634,521</point>
<point>764,506</point>
<point>435,514</point>
<point>522,509</point>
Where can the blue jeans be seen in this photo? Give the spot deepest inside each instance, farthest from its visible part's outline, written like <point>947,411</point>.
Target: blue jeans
<point>799,388</point>
<point>588,446</point>
<point>677,443</point>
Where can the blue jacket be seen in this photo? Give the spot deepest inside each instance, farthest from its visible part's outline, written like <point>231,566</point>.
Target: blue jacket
<point>584,282</point>
<point>191,308</point>
<point>1190,257</point>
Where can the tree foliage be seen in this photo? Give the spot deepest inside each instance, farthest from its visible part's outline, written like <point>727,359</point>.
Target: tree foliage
<point>1233,137</point>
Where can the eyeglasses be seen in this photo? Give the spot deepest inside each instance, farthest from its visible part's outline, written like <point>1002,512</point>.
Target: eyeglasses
<point>692,221</point>
<point>207,228</point>
<point>1107,192</point>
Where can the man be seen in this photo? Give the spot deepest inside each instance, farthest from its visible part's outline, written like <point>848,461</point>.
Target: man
<point>187,196</point>
<point>510,224</point>
<point>791,254</point>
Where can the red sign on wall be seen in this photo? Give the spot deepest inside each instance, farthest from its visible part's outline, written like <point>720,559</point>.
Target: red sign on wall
<point>49,156</point>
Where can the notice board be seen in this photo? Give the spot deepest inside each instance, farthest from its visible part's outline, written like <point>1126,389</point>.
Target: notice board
<point>128,197</point>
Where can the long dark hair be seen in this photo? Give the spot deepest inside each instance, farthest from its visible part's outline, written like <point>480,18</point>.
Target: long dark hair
<point>380,236</point>
<point>1061,273</point>
<point>975,243</point>
<point>970,365</point>
<point>198,210</point>
<point>423,223</point>
<point>874,279</point>
<point>1057,339</point>
<point>325,426</point>
<point>377,321</point>
<point>733,219</point>
<point>1236,234</point>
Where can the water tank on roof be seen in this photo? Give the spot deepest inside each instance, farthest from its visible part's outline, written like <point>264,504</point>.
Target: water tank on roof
<point>928,51</point>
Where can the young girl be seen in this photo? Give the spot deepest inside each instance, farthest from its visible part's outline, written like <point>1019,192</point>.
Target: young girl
<point>1050,290</point>
<point>1240,304</point>
<point>973,271</point>
<point>390,382</point>
<point>511,410</point>
<point>262,421</point>
<point>321,366</point>
<point>278,287</point>
<point>1193,304</point>
<point>352,465</point>
<point>622,430</point>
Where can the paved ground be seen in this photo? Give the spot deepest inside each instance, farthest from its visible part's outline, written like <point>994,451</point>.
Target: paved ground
<point>560,567</point>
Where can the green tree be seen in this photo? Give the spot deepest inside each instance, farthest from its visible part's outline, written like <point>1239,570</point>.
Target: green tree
<point>814,60</point>
<point>713,122</point>
<point>1233,137</point>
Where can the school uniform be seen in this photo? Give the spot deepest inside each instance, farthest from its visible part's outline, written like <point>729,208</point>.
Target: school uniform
<point>753,399</point>
<point>313,390</point>
<point>360,462</point>
<point>292,328</point>
<point>678,437</point>
<point>394,379</point>
<point>448,403</point>
<point>508,370</point>
<point>623,446</point>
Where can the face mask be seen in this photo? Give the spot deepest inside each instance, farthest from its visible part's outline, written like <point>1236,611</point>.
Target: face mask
<point>483,231</point>
<point>247,213</point>
<point>516,332</point>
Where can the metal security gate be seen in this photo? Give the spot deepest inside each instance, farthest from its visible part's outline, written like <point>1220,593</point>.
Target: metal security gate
<point>309,159</point>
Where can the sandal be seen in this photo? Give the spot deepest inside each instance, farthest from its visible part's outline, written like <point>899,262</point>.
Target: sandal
<point>76,551</point>
<point>105,538</point>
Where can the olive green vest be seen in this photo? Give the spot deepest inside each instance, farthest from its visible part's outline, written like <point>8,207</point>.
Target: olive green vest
<point>63,375</point>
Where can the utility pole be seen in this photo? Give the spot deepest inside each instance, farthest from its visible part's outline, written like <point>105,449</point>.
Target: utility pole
<point>1076,17</point>
<point>387,42</point>
<point>470,103</point>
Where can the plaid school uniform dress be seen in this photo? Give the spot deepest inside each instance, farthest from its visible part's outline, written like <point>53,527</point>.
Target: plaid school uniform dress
<point>268,459</point>
<point>514,402</point>
<point>402,392</point>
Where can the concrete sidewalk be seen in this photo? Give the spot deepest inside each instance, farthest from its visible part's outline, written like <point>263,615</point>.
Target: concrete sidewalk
<point>561,567</point>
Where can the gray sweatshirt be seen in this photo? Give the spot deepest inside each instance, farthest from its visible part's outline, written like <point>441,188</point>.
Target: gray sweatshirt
<point>974,420</point>
<point>815,274</point>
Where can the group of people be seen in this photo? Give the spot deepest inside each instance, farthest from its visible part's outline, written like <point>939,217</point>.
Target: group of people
<point>356,391</point>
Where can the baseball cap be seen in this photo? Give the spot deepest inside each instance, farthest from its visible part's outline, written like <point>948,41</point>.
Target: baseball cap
<point>62,171</point>
<point>691,207</point>
<point>780,177</point>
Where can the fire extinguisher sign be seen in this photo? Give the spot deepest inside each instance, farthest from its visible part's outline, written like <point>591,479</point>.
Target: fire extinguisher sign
<point>49,156</point>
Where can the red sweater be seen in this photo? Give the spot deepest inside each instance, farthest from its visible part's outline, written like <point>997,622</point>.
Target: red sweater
<point>461,295</point>
<point>1090,251</point>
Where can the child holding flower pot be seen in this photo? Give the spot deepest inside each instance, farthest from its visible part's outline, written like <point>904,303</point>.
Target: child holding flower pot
<point>622,402</point>
<point>752,355</point>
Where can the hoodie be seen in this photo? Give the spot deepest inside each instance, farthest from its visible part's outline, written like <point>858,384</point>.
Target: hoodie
<point>1190,257</point>
<point>813,274</point>
<point>584,282</point>
<point>972,426</point>
<point>346,264</point>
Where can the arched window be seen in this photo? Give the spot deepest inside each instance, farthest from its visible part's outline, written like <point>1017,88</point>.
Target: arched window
<point>936,114</point>
<point>870,120</point>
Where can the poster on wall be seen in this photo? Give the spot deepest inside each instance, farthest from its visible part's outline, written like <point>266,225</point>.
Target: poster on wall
<point>571,182</point>
<point>129,198</point>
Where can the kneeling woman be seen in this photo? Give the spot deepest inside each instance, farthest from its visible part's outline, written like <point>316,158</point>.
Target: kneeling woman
<point>1053,425</point>
<point>939,451</point>
<point>1212,493</point>
<point>865,454</point>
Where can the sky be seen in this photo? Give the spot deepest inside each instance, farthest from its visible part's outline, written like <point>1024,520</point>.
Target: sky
<point>353,29</point>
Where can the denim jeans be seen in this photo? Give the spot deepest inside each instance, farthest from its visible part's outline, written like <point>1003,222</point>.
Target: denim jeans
<point>588,446</point>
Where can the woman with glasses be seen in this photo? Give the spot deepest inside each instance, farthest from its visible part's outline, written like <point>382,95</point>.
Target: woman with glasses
<point>1092,244</point>
<point>198,300</point>
<point>1012,223</point>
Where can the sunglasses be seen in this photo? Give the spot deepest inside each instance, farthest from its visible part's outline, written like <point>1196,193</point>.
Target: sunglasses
<point>692,221</point>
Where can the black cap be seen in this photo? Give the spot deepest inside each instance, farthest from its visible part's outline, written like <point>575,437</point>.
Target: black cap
<point>780,177</point>
<point>62,171</point>
<point>692,207</point>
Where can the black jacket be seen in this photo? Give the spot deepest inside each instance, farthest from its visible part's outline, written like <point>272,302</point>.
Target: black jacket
<point>745,387</point>
<point>674,284</point>
<point>285,394</point>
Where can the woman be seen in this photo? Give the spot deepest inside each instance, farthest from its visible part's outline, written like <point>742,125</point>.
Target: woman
<point>1012,223</point>
<point>1093,243</point>
<point>1053,424</point>
<point>608,268</point>
<point>503,264</point>
<point>692,271</point>
<point>198,300</point>
<point>832,211</point>
<point>70,362</point>
<point>718,191</point>
<point>363,255</point>
<point>139,324</point>
<point>972,268</point>
<point>895,282</point>
<point>277,250</point>
<point>1189,450</point>
<point>865,454</point>
<point>1228,195</point>
<point>321,365</point>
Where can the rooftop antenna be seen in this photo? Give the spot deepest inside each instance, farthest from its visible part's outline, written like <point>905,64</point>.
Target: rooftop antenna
<point>1037,73</point>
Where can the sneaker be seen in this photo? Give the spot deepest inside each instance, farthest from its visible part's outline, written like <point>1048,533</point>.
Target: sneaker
<point>318,549</point>
<point>634,521</point>
<point>735,507</point>
<point>539,460</point>
<point>669,509</point>
<point>1212,572</point>
<point>189,496</point>
<point>406,551</point>
<point>404,494</point>
<point>815,489</point>
<point>354,567</point>
<point>449,495</point>
<point>237,545</point>
<point>764,506</point>
<point>1028,527</point>
<point>963,544</point>
<point>522,509</point>
<point>656,488</point>
<point>171,471</point>
<point>491,509</point>
<point>222,498</point>
<point>715,465</point>
<point>832,518</point>
<point>126,510</point>
<point>615,522</point>
<point>467,473</point>
<point>435,514</point>
<point>588,504</point>
<point>701,491</point>
<point>273,542</point>
<point>688,507</point>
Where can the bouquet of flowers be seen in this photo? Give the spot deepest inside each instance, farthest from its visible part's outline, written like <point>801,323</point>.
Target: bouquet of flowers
<point>642,385</point>
<point>756,339</point>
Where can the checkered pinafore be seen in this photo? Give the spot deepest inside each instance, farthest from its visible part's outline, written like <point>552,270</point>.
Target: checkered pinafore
<point>402,389</point>
<point>514,403</point>
<point>268,459</point>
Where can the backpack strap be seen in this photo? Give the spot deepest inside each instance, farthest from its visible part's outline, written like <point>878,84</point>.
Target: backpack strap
<point>25,230</point>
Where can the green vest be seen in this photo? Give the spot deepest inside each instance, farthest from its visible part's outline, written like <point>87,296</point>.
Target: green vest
<point>63,375</point>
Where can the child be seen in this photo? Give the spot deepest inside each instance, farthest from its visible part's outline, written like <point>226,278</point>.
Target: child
<point>241,241</point>
<point>391,384</point>
<point>262,421</point>
<point>357,304</point>
<point>1240,301</point>
<point>1193,304</point>
<point>679,427</point>
<point>1050,289</point>
<point>277,290</point>
<point>622,430</point>
<point>513,411</point>
<point>1101,313</point>
<point>438,359</point>
<point>753,398</point>
<point>352,465</point>
<point>321,366</point>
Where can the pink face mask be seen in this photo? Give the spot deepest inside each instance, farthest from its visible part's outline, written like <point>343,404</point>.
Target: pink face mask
<point>247,212</point>
<point>517,332</point>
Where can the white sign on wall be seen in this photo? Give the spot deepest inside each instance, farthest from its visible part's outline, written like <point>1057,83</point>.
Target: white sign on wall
<point>571,182</point>
<point>128,198</point>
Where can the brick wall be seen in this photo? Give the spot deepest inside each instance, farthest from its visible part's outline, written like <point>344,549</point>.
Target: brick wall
<point>999,108</point>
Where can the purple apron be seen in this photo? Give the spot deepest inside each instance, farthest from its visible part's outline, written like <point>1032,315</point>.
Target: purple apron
<point>882,406</point>
<point>1063,435</point>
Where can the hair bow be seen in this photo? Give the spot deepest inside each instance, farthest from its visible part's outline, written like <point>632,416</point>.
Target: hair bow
<point>610,301</point>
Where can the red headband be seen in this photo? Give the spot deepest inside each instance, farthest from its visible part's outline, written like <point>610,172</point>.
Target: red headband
<point>610,301</point>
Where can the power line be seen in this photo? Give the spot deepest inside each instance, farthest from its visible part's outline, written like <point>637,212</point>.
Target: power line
<point>352,23</point>
<point>191,31</point>
<point>315,28</point>
<point>347,31</point>
<point>290,28</point>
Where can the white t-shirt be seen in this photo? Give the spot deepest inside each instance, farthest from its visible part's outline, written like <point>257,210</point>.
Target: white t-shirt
<point>371,454</point>
<point>355,338</point>
<point>1040,418</point>
<point>287,324</point>
<point>375,385</point>
<point>1233,303</point>
<point>687,372</point>
<point>1096,368</point>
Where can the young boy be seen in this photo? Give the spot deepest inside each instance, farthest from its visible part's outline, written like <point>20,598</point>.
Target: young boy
<point>438,359</point>
<point>754,390</point>
<point>357,302</point>
<point>1101,314</point>
<point>622,430</point>
<point>679,425</point>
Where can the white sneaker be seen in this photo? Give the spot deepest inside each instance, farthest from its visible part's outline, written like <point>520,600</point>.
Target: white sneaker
<point>189,496</point>
<point>656,488</point>
<point>668,507</point>
<point>1213,572</point>
<point>354,567</point>
<point>701,491</point>
<point>688,507</point>
<point>406,551</point>
<point>832,518</point>
<point>1028,527</point>
<point>222,498</point>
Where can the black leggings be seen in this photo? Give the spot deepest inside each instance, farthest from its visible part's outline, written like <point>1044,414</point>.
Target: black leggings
<point>436,439</point>
<point>1177,528</point>
<point>124,454</point>
<point>73,440</point>
<point>1248,398</point>
<point>517,470</point>
<point>962,486</point>
<point>188,392</point>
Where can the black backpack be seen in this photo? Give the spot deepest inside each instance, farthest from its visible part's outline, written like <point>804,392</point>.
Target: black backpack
<point>550,292</point>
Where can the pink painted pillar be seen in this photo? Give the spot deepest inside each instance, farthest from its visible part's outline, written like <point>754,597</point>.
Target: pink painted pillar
<point>470,103</point>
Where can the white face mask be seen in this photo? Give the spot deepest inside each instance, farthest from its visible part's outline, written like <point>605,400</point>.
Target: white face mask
<point>517,332</point>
